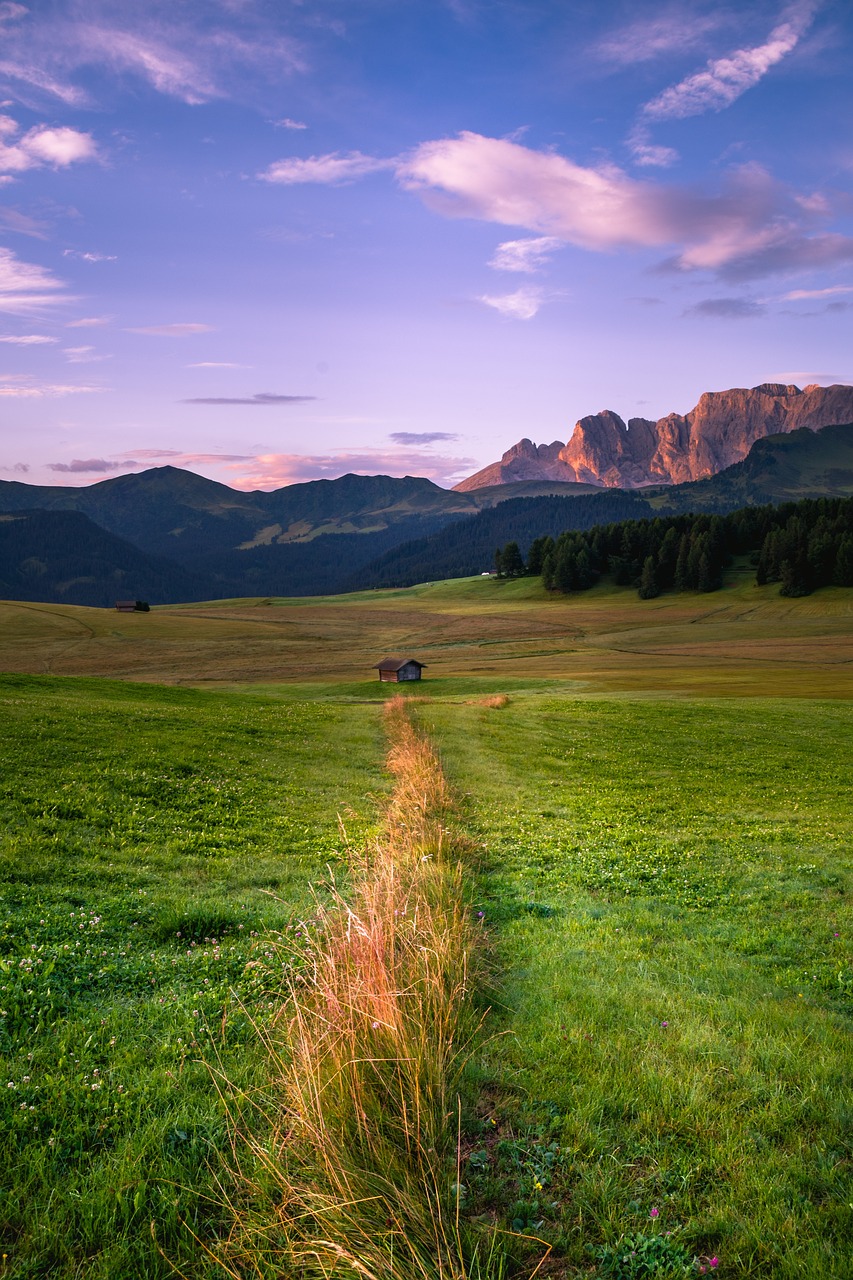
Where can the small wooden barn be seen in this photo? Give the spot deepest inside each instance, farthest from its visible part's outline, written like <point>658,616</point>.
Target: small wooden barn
<point>396,669</point>
<point>132,606</point>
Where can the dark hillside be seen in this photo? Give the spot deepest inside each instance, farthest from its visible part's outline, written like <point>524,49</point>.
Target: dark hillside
<point>63,556</point>
<point>468,546</point>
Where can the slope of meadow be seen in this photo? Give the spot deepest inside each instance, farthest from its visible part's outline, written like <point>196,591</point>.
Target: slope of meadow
<point>666,881</point>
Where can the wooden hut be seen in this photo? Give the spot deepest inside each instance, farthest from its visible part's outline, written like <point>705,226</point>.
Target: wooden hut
<point>396,669</point>
<point>132,606</point>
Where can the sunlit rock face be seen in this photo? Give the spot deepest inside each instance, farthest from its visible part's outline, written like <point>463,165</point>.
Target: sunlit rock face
<point>719,432</point>
<point>524,461</point>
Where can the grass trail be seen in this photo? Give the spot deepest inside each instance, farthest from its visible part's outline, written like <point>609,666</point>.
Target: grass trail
<point>353,1171</point>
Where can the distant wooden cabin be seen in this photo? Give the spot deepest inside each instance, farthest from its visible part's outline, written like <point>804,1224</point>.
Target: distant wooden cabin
<point>396,669</point>
<point>133,606</point>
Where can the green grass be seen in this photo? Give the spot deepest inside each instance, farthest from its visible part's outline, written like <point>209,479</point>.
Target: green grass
<point>667,887</point>
<point>155,844</point>
<point>669,893</point>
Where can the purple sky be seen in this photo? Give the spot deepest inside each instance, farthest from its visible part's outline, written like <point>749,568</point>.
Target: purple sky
<point>272,241</point>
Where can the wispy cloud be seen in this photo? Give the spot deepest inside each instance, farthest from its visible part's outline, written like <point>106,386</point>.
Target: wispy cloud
<point>260,398</point>
<point>527,255</point>
<point>274,470</point>
<point>523,304</point>
<point>172,330</point>
<point>421,437</point>
<point>797,295</point>
<point>90,466</point>
<point>23,224</point>
<point>726,309</point>
<point>161,45</point>
<point>26,339</point>
<point>669,32</point>
<point>31,390</point>
<point>83,355</point>
<point>89,322</point>
<point>89,256</point>
<point>287,123</point>
<point>179,457</point>
<point>725,79</point>
<point>27,287</point>
<point>801,379</point>
<point>217,364</point>
<point>333,169</point>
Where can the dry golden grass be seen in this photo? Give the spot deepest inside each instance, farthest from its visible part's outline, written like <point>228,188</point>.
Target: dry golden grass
<point>744,640</point>
<point>353,1174</point>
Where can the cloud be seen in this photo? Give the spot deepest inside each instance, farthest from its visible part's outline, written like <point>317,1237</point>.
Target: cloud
<point>27,287</point>
<point>89,322</point>
<point>274,470</point>
<point>797,294</point>
<point>647,154</point>
<point>521,305</point>
<point>89,257</point>
<point>9,12</point>
<point>83,355</point>
<point>22,224</point>
<point>164,46</point>
<point>669,32</point>
<point>26,339</point>
<point>803,379</point>
<point>173,330</point>
<point>524,255</point>
<point>41,146</point>
<point>29,390</point>
<point>724,80</point>
<point>753,226</point>
<point>421,437</point>
<point>78,465</point>
<point>259,398</point>
<point>331,170</point>
<point>218,364</point>
<point>726,309</point>
<point>287,123</point>
<point>178,457</point>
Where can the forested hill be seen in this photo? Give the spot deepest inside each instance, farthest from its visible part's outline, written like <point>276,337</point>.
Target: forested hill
<point>469,545</point>
<point>64,556</point>
<point>802,545</point>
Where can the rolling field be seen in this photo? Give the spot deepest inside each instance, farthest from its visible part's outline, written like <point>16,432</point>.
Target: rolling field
<point>664,813</point>
<point>744,640</point>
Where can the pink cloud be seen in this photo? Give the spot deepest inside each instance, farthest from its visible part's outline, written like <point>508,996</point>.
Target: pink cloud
<point>173,330</point>
<point>725,79</point>
<point>753,227</point>
<point>331,170</point>
<point>273,470</point>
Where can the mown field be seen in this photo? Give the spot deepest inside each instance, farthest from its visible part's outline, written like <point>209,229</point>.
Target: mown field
<point>666,883</point>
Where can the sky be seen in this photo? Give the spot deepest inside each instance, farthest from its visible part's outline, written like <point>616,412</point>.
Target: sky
<point>280,240</point>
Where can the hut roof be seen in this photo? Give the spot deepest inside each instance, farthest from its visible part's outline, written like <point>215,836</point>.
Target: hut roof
<point>394,664</point>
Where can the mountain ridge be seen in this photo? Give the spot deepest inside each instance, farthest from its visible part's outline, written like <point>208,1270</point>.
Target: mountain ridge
<point>717,433</point>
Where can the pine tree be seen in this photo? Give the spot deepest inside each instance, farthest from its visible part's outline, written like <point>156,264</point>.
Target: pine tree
<point>649,587</point>
<point>512,564</point>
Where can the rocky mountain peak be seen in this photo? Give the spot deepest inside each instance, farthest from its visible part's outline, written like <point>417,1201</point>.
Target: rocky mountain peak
<point>718,432</point>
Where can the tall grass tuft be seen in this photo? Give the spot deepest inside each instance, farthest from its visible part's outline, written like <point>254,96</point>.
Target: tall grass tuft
<point>358,1169</point>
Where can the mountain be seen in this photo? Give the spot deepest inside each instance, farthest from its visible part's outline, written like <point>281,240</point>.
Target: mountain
<point>360,531</point>
<point>184,515</point>
<point>780,468</point>
<point>677,449</point>
<point>63,556</point>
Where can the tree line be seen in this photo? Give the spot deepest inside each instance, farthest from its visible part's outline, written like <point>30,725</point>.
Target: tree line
<point>801,545</point>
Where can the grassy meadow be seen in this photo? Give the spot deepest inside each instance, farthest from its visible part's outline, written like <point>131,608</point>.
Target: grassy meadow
<point>663,816</point>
